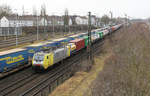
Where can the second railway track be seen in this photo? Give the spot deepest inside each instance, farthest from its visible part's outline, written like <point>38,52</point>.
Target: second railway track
<point>33,83</point>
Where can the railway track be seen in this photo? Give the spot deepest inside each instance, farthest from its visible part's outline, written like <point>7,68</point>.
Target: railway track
<point>15,86</point>
<point>21,40</point>
<point>47,83</point>
<point>34,83</point>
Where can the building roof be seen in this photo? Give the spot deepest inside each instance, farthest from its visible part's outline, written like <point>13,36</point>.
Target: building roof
<point>54,17</point>
<point>28,17</point>
<point>12,17</point>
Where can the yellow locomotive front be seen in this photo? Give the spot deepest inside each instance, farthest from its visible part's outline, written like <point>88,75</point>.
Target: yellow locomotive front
<point>42,61</point>
<point>38,61</point>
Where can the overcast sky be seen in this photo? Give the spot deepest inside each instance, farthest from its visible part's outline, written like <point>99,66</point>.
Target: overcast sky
<point>134,8</point>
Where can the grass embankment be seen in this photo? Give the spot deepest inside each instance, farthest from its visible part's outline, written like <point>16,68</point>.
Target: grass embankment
<point>79,84</point>
<point>127,71</point>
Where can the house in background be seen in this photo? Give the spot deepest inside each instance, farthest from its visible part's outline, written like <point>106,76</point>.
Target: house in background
<point>93,20</point>
<point>30,20</point>
<point>10,21</point>
<point>55,20</point>
<point>81,20</point>
<point>10,25</point>
<point>27,20</point>
<point>42,21</point>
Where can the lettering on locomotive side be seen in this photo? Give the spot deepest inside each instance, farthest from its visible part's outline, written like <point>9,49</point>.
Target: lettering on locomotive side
<point>10,60</point>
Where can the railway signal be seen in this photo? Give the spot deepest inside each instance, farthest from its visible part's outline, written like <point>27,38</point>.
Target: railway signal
<point>37,23</point>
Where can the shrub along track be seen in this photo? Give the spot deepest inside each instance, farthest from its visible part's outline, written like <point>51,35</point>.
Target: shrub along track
<point>29,83</point>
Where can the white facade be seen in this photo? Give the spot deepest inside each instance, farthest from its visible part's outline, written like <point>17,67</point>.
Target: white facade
<point>4,22</point>
<point>81,21</point>
<point>43,22</point>
<point>60,22</point>
<point>70,22</point>
<point>27,23</point>
<point>11,21</point>
<point>93,21</point>
<point>78,20</point>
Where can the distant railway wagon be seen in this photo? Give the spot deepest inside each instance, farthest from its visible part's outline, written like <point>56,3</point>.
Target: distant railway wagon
<point>95,37</point>
<point>79,43</point>
<point>100,34</point>
<point>12,58</point>
<point>86,40</point>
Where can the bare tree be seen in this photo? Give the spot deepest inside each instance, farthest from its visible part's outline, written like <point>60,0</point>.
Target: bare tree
<point>23,11</point>
<point>5,10</point>
<point>43,14</point>
<point>43,10</point>
<point>105,19</point>
<point>66,20</point>
<point>34,11</point>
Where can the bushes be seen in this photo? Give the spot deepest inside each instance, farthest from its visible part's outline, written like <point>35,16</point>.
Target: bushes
<point>127,71</point>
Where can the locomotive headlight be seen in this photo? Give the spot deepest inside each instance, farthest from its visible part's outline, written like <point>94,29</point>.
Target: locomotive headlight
<point>38,62</point>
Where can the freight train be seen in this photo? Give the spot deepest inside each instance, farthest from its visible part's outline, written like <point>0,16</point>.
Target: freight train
<point>46,58</point>
<point>16,58</point>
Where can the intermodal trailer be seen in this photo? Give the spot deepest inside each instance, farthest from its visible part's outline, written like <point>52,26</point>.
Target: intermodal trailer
<point>40,46</point>
<point>34,48</point>
<point>60,40</point>
<point>13,58</point>
<point>79,43</point>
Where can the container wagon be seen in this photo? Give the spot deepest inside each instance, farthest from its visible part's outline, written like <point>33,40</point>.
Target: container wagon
<point>79,43</point>
<point>13,58</point>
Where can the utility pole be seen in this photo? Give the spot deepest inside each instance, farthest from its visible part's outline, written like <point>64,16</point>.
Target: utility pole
<point>44,27</point>
<point>16,29</point>
<point>89,48</point>
<point>53,22</point>
<point>126,18</point>
<point>37,26</point>
<point>111,14</point>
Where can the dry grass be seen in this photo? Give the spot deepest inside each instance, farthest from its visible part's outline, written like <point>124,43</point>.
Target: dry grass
<point>127,71</point>
<point>80,83</point>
